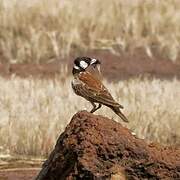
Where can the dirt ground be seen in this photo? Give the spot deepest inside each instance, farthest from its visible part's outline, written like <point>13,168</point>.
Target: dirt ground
<point>19,168</point>
<point>113,68</point>
<point>19,174</point>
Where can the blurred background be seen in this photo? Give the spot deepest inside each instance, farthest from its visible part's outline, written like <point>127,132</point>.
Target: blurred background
<point>138,43</point>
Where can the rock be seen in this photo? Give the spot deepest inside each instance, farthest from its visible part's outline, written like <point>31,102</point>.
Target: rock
<point>95,147</point>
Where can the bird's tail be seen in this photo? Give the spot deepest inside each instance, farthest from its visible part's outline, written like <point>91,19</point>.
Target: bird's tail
<point>120,114</point>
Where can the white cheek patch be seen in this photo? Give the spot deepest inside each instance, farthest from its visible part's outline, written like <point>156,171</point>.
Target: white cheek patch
<point>83,64</point>
<point>93,61</point>
<point>76,67</point>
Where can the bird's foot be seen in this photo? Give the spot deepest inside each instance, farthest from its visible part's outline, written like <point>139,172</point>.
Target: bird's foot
<point>95,108</point>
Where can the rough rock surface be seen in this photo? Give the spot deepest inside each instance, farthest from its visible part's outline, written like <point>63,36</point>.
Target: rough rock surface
<point>95,147</point>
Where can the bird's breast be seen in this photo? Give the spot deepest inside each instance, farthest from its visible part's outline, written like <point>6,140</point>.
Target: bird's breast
<point>76,84</point>
<point>76,81</point>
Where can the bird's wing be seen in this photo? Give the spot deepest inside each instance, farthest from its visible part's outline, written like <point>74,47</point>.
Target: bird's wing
<point>94,89</point>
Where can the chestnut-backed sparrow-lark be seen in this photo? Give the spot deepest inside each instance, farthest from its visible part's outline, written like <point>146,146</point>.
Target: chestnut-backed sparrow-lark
<point>87,85</point>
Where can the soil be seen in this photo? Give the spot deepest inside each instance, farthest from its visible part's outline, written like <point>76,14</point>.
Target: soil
<point>18,174</point>
<point>19,168</point>
<point>123,66</point>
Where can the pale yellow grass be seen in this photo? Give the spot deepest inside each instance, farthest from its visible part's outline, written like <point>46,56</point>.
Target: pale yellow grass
<point>39,31</point>
<point>34,111</point>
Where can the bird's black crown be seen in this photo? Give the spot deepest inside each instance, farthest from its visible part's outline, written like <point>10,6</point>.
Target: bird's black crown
<point>82,63</point>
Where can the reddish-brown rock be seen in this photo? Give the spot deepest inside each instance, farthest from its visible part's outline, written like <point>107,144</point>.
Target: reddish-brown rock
<point>95,147</point>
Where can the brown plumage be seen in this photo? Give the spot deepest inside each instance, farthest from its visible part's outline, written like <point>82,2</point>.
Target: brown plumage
<point>85,84</point>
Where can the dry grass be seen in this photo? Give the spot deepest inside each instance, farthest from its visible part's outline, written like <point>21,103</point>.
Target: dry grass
<point>34,111</point>
<point>37,31</point>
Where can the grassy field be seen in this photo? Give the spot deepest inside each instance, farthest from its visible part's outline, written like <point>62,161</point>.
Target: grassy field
<point>35,111</point>
<point>39,31</point>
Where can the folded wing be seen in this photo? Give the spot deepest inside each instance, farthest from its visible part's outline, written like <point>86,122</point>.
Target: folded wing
<point>94,89</point>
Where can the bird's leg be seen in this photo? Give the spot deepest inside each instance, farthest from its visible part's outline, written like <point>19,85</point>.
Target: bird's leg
<point>99,106</point>
<point>95,108</point>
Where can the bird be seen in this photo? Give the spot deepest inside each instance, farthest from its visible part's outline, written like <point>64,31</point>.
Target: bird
<point>90,87</point>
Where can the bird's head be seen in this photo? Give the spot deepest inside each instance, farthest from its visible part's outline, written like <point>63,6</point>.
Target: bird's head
<point>82,63</point>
